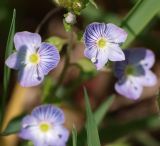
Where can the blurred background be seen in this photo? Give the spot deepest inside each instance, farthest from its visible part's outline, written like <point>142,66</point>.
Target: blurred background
<point>128,123</point>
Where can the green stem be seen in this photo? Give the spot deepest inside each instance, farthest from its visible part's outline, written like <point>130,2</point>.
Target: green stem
<point>66,64</point>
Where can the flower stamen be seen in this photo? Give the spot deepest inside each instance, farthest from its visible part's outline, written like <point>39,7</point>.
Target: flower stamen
<point>44,127</point>
<point>34,58</point>
<point>101,43</point>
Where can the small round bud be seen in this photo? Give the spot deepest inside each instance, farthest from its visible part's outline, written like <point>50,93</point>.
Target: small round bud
<point>70,18</point>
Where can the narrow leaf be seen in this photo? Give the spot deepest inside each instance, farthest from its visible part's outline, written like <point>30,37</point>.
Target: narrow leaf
<point>74,136</point>
<point>139,17</point>
<point>13,126</point>
<point>92,131</point>
<point>103,109</point>
<point>9,48</point>
<point>93,3</point>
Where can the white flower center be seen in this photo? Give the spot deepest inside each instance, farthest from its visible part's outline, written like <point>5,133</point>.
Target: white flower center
<point>34,58</point>
<point>101,43</point>
<point>44,127</point>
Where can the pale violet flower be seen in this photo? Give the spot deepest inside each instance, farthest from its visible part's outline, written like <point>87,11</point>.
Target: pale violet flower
<point>102,42</point>
<point>33,58</point>
<point>134,72</point>
<point>44,127</point>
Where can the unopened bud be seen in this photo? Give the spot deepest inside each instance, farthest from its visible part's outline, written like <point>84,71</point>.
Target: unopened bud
<point>70,18</point>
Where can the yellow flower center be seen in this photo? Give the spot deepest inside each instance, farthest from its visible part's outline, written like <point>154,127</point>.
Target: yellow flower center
<point>102,43</point>
<point>34,58</point>
<point>44,127</point>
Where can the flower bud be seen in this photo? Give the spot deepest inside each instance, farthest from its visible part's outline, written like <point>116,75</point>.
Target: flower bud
<point>70,18</point>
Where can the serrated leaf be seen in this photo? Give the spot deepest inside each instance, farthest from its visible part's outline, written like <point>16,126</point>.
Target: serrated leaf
<point>13,126</point>
<point>103,109</point>
<point>57,42</point>
<point>91,127</point>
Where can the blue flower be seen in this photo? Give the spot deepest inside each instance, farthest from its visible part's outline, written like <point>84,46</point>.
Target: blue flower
<point>102,43</point>
<point>134,72</point>
<point>44,127</point>
<point>32,58</point>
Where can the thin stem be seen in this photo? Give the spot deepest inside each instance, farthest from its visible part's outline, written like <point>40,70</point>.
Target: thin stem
<point>46,18</point>
<point>66,64</point>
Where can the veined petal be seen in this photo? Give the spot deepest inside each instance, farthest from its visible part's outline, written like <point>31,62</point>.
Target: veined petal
<point>149,60</point>
<point>49,113</point>
<point>102,58</point>
<point>23,40</point>
<point>135,55</point>
<point>149,79</point>
<point>98,57</point>
<point>29,76</point>
<point>119,68</point>
<point>115,34</point>
<point>29,133</point>
<point>115,52</point>
<point>28,121</point>
<point>93,32</point>
<point>91,53</point>
<point>49,58</point>
<point>12,61</point>
<point>130,88</point>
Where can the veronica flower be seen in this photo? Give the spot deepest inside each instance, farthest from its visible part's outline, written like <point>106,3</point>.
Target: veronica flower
<point>102,43</point>
<point>134,72</point>
<point>32,58</point>
<point>44,127</point>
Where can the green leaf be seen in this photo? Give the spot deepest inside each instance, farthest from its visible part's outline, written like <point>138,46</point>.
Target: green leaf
<point>13,126</point>
<point>121,129</point>
<point>93,3</point>
<point>9,49</point>
<point>86,65</point>
<point>139,17</point>
<point>103,109</point>
<point>74,136</point>
<point>120,142</point>
<point>91,127</point>
<point>57,41</point>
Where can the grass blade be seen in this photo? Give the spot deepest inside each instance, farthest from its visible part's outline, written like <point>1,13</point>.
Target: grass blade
<point>91,127</point>
<point>9,48</point>
<point>74,136</point>
<point>103,109</point>
<point>139,17</point>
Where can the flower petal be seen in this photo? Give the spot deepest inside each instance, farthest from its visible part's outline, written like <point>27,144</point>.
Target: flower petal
<point>29,76</point>
<point>12,61</point>
<point>149,59</point>
<point>102,59</point>
<point>28,121</point>
<point>130,88</point>
<point>58,136</point>
<point>149,79</point>
<point>119,68</point>
<point>49,58</point>
<point>115,34</point>
<point>92,33</point>
<point>115,52</point>
<point>49,113</point>
<point>29,133</point>
<point>31,41</point>
<point>98,57</point>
